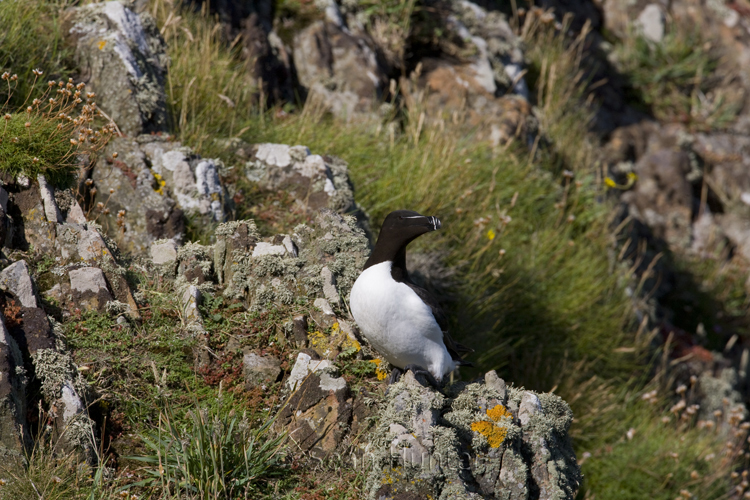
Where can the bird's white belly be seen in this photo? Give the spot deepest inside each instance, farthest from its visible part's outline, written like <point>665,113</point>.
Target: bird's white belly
<point>397,323</point>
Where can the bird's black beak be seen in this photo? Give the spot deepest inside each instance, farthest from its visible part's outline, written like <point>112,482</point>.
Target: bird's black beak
<point>436,224</point>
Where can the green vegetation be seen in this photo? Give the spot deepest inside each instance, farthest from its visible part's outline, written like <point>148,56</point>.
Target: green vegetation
<point>215,455</point>
<point>528,231</point>
<point>31,39</point>
<point>678,79</point>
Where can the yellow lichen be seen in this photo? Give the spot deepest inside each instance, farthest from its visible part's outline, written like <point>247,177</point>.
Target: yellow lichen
<point>494,433</point>
<point>379,371</point>
<point>497,413</point>
<point>161,183</point>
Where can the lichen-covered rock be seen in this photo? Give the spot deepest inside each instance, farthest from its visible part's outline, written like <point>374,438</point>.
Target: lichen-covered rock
<point>89,288</point>
<point>314,181</point>
<point>32,337</point>
<point>125,60</point>
<point>482,440</point>
<point>289,268</point>
<point>149,186</point>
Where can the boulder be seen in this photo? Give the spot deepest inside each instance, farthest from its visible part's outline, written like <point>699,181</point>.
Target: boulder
<point>339,69</point>
<point>318,414</point>
<point>480,440</point>
<point>124,61</point>
<point>315,181</point>
<point>148,186</point>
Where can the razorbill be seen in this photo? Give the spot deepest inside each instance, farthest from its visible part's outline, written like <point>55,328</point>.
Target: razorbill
<point>401,320</point>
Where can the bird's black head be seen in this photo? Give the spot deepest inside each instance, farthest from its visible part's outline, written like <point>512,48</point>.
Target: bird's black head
<point>399,229</point>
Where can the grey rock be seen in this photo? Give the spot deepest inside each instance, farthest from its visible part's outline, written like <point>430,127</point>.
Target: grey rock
<point>314,181</point>
<point>75,214</point>
<point>191,298</point>
<point>651,22</point>
<point>51,210</point>
<point>89,288</point>
<point>329,287</point>
<point>125,58</point>
<point>164,252</point>
<point>303,367</point>
<point>16,279</point>
<point>468,444</point>
<point>260,370</point>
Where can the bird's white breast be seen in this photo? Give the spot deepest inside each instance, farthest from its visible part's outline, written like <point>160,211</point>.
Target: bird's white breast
<point>397,323</point>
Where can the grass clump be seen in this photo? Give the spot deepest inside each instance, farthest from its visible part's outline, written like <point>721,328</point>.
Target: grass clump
<point>215,454</point>
<point>210,88</point>
<point>52,133</point>
<point>31,36</point>
<point>677,79</point>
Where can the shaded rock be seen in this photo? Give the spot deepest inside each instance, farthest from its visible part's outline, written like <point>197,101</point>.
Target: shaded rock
<point>16,279</point>
<point>124,60</point>
<point>14,430</point>
<point>299,330</point>
<point>260,370</point>
<point>269,58</point>
<point>662,197</point>
<point>89,288</point>
<point>339,69</point>
<point>318,413</point>
<point>471,444</point>
<point>728,156</point>
<point>737,228</point>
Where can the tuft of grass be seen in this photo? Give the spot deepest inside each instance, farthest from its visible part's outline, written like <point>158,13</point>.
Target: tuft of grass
<point>677,78</point>
<point>210,89</point>
<point>216,454</point>
<point>51,133</point>
<point>32,37</point>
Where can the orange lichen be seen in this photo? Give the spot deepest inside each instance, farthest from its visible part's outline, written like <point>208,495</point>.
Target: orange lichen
<point>494,433</point>
<point>497,413</point>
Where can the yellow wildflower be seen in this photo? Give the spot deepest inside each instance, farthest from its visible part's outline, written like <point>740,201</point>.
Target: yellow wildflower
<point>491,235</point>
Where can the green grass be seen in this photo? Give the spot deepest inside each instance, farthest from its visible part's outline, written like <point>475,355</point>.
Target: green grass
<point>32,37</point>
<point>534,247</point>
<point>677,79</point>
<point>215,454</point>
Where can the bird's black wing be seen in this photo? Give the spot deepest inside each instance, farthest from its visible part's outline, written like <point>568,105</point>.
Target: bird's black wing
<point>454,348</point>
